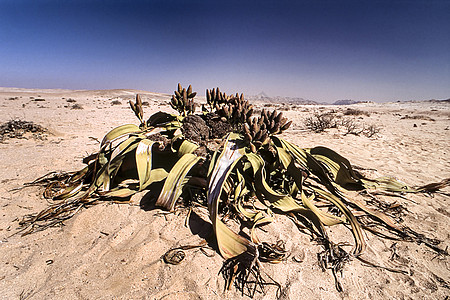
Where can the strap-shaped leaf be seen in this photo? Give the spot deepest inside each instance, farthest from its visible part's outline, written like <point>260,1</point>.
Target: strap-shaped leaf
<point>346,177</point>
<point>69,192</point>
<point>278,201</point>
<point>214,158</point>
<point>119,131</point>
<point>299,154</point>
<point>239,191</point>
<point>388,184</point>
<point>305,159</point>
<point>356,227</point>
<point>144,161</point>
<point>229,156</point>
<point>259,219</point>
<point>156,175</point>
<point>339,166</point>
<point>230,244</point>
<point>173,186</point>
<point>187,147</point>
<point>124,147</point>
<point>326,218</point>
<point>120,192</point>
<point>117,156</point>
<point>160,119</point>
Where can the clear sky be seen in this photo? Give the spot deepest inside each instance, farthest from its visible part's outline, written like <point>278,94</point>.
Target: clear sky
<point>319,50</point>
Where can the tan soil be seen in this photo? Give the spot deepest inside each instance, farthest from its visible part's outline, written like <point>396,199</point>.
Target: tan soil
<point>113,251</point>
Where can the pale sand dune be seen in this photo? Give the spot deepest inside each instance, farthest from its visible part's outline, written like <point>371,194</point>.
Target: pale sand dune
<point>113,251</point>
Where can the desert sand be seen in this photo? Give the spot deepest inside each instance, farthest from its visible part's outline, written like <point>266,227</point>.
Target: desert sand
<point>114,251</point>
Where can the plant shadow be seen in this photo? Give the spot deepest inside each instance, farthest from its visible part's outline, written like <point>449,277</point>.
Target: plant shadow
<point>197,225</point>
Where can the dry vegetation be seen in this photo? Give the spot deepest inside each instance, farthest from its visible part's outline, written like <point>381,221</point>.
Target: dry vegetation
<point>20,129</point>
<point>77,106</point>
<point>348,124</point>
<point>101,250</point>
<point>236,166</point>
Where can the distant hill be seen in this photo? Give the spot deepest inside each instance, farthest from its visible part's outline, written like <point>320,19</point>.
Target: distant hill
<point>262,96</point>
<point>434,100</point>
<point>349,102</point>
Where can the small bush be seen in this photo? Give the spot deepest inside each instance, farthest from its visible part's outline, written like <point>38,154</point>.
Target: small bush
<point>371,131</point>
<point>351,126</point>
<point>76,106</point>
<point>320,122</point>
<point>116,102</point>
<point>354,127</point>
<point>18,129</point>
<point>418,117</point>
<point>356,112</point>
<point>70,100</point>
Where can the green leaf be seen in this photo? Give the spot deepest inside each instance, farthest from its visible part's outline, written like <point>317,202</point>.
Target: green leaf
<point>388,184</point>
<point>326,218</point>
<point>186,147</point>
<point>356,228</point>
<point>69,192</point>
<point>281,202</point>
<point>144,161</point>
<point>156,175</point>
<point>173,186</point>
<point>230,244</point>
<point>116,159</point>
<point>160,119</point>
<point>120,132</point>
<point>339,166</point>
<point>119,192</point>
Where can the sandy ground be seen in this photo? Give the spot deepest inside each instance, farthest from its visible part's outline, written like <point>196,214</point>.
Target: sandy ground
<point>113,251</point>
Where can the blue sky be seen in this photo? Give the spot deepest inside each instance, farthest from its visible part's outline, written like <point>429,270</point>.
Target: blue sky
<point>319,50</point>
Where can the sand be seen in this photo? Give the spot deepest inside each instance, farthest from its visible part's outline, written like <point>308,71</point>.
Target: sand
<point>113,251</point>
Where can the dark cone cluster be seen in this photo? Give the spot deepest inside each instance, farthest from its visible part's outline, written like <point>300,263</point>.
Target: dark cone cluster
<point>233,109</point>
<point>215,98</point>
<point>256,134</point>
<point>137,108</point>
<point>183,100</point>
<point>237,111</point>
<point>275,123</point>
<point>257,131</point>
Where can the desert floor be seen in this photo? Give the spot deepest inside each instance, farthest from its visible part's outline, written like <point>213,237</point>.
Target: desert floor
<point>113,251</point>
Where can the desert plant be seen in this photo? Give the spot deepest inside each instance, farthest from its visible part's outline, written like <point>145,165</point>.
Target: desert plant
<point>320,121</point>
<point>371,130</point>
<point>352,126</point>
<point>356,112</point>
<point>355,127</point>
<point>252,165</point>
<point>77,106</point>
<point>183,100</point>
<point>18,128</point>
<point>418,117</point>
